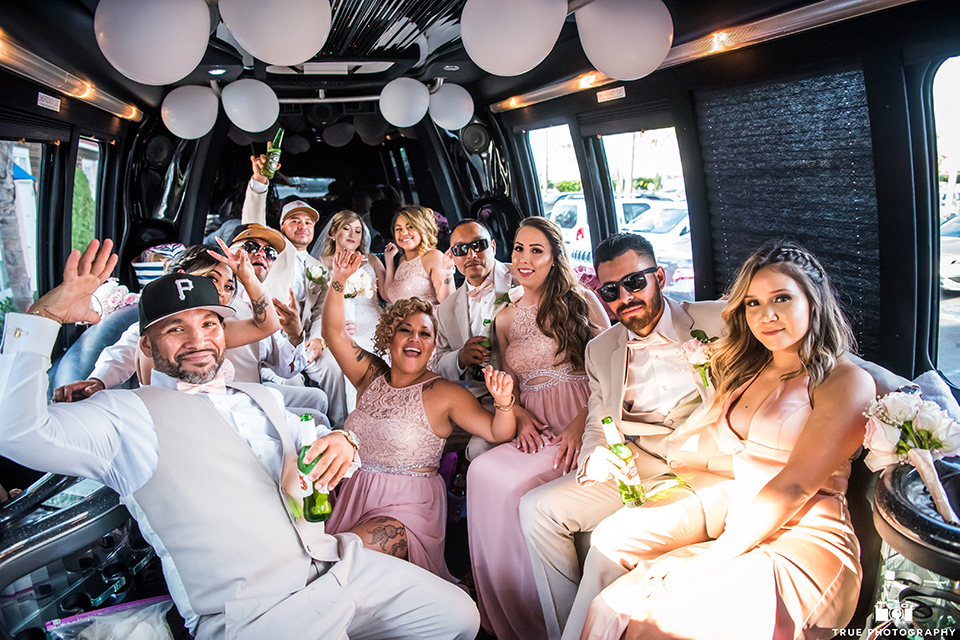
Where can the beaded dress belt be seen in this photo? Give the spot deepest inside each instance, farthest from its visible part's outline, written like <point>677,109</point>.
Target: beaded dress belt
<point>399,471</point>
<point>555,377</point>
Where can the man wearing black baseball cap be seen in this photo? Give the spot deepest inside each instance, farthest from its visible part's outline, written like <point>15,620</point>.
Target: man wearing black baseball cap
<point>199,462</point>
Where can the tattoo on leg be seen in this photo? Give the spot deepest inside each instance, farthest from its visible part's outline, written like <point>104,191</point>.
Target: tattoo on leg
<point>259,310</point>
<point>389,535</point>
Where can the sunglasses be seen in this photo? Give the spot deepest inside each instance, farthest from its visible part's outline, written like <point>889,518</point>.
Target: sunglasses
<point>478,246</point>
<point>634,282</point>
<point>252,247</point>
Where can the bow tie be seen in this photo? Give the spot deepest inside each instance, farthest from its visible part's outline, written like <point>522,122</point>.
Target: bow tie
<point>653,340</point>
<point>476,293</point>
<point>217,386</point>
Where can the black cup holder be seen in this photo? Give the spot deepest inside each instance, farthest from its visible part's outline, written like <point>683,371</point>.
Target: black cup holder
<point>81,563</point>
<point>75,604</point>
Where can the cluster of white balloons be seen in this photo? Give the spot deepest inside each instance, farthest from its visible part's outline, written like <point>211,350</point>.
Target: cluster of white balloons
<point>623,39</point>
<point>190,112</point>
<point>404,102</point>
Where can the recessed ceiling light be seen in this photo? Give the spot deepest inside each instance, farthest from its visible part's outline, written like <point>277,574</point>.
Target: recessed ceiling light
<point>217,72</point>
<point>451,67</point>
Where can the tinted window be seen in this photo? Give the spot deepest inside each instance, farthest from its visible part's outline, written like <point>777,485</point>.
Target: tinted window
<point>946,101</point>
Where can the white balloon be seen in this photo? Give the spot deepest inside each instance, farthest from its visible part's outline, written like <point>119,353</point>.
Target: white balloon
<point>451,107</point>
<point>625,39</point>
<point>404,102</point>
<point>510,37</point>
<point>250,104</point>
<point>285,32</point>
<point>190,112</point>
<point>153,42</point>
<point>338,135</point>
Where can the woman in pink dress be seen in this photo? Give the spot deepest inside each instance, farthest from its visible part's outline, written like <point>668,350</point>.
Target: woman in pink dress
<point>396,502</point>
<point>542,339</point>
<point>423,271</point>
<point>787,563</point>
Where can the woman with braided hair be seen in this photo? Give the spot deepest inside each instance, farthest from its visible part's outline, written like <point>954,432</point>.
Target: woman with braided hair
<point>787,563</point>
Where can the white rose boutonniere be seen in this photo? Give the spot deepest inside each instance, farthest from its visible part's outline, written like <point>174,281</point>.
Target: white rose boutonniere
<point>511,297</point>
<point>318,274</point>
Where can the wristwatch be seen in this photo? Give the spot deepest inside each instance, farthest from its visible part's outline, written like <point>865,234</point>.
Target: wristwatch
<point>351,438</point>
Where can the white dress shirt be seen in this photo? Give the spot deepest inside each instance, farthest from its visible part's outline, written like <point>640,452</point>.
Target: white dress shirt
<point>655,380</point>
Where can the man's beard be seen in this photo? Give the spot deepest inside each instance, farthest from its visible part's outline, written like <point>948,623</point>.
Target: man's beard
<point>638,323</point>
<point>176,370</point>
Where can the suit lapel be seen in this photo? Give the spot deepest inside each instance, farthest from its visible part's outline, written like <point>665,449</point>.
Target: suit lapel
<point>618,371</point>
<point>682,321</point>
<point>462,313</point>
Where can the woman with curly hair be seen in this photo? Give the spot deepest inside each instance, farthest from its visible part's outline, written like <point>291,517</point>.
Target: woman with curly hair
<point>791,414</point>
<point>396,502</point>
<point>542,339</point>
<point>423,271</point>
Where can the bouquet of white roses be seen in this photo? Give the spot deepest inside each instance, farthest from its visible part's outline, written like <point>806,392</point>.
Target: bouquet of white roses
<point>902,427</point>
<point>318,274</point>
<point>112,295</point>
<point>696,352</point>
<point>359,284</point>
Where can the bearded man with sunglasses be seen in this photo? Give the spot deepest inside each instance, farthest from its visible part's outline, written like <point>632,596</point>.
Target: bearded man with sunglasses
<point>656,402</point>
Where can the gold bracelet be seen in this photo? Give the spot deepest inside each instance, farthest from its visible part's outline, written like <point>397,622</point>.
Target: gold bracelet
<point>508,407</point>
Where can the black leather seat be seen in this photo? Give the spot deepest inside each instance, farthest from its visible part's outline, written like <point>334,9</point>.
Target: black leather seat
<point>77,363</point>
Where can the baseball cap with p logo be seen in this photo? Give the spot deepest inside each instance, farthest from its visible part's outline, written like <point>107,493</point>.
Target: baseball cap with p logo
<point>178,292</point>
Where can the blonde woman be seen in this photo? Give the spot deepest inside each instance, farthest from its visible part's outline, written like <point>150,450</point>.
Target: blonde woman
<point>423,271</point>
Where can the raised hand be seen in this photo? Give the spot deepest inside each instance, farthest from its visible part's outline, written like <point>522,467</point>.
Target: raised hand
<point>257,163</point>
<point>389,251</point>
<point>289,318</point>
<point>499,384</point>
<point>447,263</point>
<point>82,274</point>
<point>345,264</point>
<point>238,261</point>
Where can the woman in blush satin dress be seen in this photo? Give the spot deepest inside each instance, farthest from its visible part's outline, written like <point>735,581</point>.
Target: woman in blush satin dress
<point>396,502</point>
<point>423,272</point>
<point>787,563</point>
<point>542,339</point>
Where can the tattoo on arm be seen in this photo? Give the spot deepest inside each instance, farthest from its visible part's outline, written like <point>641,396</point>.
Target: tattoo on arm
<point>259,310</point>
<point>375,366</point>
<point>448,280</point>
<point>337,286</point>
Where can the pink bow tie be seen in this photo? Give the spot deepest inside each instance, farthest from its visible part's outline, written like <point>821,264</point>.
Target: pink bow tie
<point>653,340</point>
<point>476,293</point>
<point>217,386</point>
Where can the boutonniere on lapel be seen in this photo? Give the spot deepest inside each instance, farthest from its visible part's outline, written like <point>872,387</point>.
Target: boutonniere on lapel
<point>511,297</point>
<point>318,274</point>
<point>696,353</point>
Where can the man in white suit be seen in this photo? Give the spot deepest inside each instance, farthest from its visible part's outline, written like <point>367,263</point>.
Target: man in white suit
<point>655,401</point>
<point>462,334</point>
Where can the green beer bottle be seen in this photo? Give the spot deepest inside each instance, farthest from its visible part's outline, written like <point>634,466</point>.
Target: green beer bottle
<point>316,504</point>
<point>476,370</point>
<point>273,156</point>
<point>631,491</point>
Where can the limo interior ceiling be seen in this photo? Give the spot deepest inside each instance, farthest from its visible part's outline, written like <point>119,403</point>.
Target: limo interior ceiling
<point>822,135</point>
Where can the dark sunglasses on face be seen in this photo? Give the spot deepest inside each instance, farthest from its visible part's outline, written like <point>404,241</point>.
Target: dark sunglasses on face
<point>252,247</point>
<point>634,282</point>
<point>478,246</point>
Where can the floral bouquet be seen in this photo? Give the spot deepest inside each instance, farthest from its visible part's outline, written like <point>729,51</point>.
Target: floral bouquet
<point>902,427</point>
<point>696,352</point>
<point>112,295</point>
<point>359,284</point>
<point>318,274</point>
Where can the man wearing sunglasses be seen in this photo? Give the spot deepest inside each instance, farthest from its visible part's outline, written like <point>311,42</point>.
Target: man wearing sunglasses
<point>462,335</point>
<point>636,378</point>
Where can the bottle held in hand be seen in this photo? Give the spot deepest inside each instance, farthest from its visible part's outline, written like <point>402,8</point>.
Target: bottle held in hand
<point>316,504</point>
<point>631,491</point>
<point>476,370</point>
<point>273,156</point>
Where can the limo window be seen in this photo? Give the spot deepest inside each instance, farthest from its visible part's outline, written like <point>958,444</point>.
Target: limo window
<point>20,172</point>
<point>85,187</point>
<point>946,101</point>
<point>561,188</point>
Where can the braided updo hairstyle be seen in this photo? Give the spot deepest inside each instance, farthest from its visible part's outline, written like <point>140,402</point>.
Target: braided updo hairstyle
<point>740,356</point>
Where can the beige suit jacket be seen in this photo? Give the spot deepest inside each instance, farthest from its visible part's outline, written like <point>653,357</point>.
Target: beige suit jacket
<point>682,442</point>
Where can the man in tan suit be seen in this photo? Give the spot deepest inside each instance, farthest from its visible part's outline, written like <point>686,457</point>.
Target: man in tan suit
<point>200,462</point>
<point>655,401</point>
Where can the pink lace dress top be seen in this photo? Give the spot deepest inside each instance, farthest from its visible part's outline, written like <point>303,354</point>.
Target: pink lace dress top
<point>395,435</point>
<point>411,279</point>
<point>532,355</point>
<point>399,455</point>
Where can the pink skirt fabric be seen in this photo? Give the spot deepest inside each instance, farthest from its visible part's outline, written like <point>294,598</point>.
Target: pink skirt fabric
<point>496,480</point>
<point>419,503</point>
